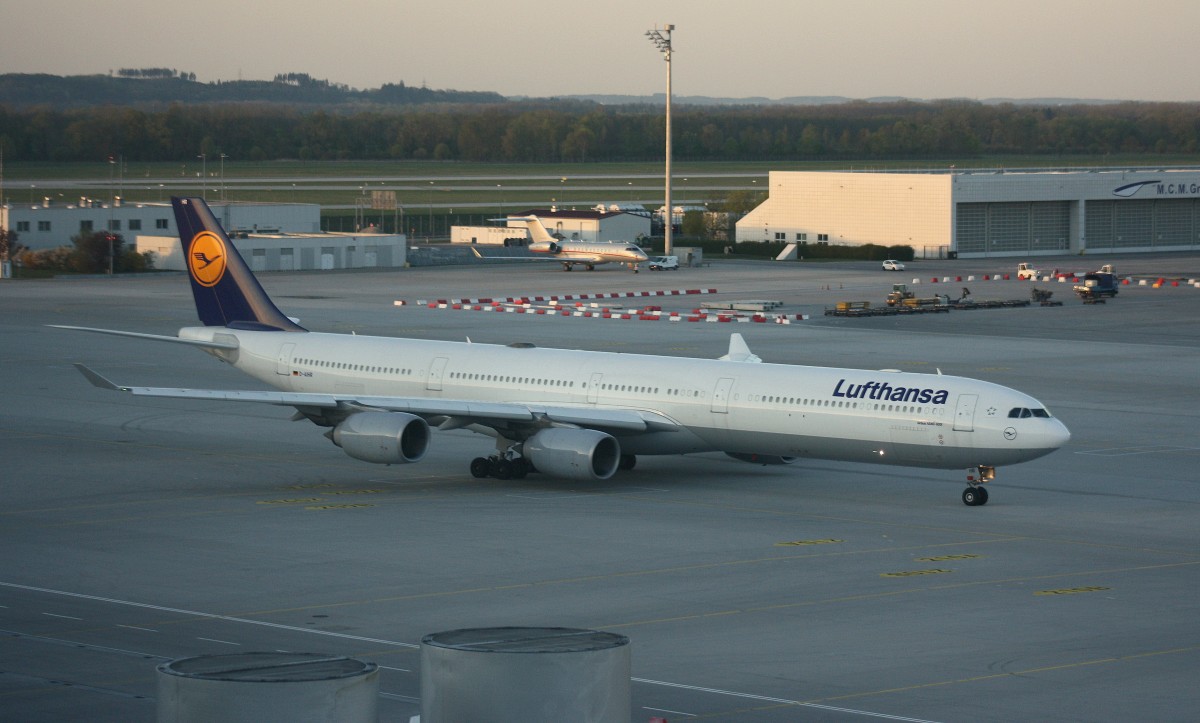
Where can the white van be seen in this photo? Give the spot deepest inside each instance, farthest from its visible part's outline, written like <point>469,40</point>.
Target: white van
<point>664,263</point>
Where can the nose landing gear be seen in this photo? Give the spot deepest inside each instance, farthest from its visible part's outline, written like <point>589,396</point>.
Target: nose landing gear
<point>976,494</point>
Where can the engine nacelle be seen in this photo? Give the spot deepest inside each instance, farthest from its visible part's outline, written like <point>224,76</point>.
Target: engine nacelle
<point>545,247</point>
<point>583,454</point>
<point>763,459</point>
<point>382,437</point>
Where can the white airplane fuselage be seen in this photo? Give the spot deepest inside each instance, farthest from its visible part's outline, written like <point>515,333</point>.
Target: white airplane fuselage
<point>593,254</point>
<point>749,408</point>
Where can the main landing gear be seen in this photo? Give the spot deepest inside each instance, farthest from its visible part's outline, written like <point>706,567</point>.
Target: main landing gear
<point>511,466</point>
<point>976,494</point>
<point>500,467</point>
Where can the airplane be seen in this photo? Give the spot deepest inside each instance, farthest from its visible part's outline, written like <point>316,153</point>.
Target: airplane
<point>582,415</point>
<point>578,253</point>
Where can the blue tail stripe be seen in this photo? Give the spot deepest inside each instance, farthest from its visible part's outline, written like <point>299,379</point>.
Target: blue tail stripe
<point>226,292</point>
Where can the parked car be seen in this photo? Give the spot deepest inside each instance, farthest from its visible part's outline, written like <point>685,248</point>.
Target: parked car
<point>892,265</point>
<point>664,263</point>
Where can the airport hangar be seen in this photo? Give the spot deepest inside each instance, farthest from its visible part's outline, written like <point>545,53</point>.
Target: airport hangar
<point>272,236</point>
<point>984,213</point>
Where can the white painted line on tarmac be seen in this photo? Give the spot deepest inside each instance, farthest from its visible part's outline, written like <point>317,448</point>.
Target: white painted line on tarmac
<point>768,699</point>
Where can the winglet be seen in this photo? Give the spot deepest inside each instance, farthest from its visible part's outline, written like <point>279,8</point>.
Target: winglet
<point>98,381</point>
<point>739,351</point>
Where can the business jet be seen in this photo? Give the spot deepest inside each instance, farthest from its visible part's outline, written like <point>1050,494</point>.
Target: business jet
<point>589,254</point>
<point>582,415</point>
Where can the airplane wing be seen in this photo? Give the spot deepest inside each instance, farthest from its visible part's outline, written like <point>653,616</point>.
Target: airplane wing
<point>556,258</point>
<point>443,413</point>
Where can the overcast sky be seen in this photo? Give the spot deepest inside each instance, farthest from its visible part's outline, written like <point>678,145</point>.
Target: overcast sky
<point>1110,49</point>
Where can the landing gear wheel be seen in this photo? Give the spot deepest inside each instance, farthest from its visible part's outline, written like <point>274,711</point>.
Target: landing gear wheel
<point>480,467</point>
<point>628,461</point>
<point>502,469</point>
<point>974,496</point>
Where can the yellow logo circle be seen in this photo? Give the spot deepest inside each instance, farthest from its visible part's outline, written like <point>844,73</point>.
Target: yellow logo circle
<point>206,258</point>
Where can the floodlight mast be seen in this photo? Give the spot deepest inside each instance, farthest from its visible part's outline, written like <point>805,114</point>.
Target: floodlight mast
<point>662,41</point>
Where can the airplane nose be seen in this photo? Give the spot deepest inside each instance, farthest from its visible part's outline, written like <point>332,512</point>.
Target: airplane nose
<point>1057,435</point>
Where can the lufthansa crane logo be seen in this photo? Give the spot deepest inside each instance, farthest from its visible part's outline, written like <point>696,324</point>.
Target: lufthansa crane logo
<point>206,258</point>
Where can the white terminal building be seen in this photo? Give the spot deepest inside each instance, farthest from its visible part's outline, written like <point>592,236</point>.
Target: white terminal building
<point>600,224</point>
<point>984,213</point>
<point>270,236</point>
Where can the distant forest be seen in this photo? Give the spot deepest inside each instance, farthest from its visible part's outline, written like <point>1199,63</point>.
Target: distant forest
<point>162,115</point>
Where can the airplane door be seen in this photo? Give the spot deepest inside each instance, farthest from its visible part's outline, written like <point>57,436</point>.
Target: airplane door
<point>436,369</point>
<point>283,363</point>
<point>964,414</point>
<point>594,388</point>
<point>720,398</point>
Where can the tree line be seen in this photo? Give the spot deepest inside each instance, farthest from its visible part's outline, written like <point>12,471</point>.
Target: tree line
<point>156,88</point>
<point>574,131</point>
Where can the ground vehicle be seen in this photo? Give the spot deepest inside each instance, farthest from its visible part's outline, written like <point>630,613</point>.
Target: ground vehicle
<point>899,293</point>
<point>1097,285</point>
<point>664,263</point>
<point>892,265</point>
<point>1025,271</point>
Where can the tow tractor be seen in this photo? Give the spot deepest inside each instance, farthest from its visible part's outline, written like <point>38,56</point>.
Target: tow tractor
<point>1025,271</point>
<point>901,296</point>
<point>898,294</point>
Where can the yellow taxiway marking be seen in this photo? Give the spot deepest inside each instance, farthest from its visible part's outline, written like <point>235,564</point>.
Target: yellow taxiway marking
<point>799,543</point>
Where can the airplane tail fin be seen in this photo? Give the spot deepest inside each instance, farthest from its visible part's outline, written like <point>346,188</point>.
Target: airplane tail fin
<point>226,292</point>
<point>537,232</point>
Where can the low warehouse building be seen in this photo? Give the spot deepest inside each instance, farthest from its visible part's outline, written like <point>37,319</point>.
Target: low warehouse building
<point>294,252</point>
<point>48,224</point>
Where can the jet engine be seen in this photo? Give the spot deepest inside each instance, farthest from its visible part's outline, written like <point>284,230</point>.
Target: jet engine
<point>583,454</point>
<point>545,247</point>
<point>763,459</point>
<point>382,437</point>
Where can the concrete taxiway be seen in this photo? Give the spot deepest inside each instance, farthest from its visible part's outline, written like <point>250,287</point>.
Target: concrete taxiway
<point>137,531</point>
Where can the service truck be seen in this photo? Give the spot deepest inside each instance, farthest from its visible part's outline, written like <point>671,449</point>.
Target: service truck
<point>1095,285</point>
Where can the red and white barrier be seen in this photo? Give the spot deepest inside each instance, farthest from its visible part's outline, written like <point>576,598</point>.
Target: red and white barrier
<point>571,297</point>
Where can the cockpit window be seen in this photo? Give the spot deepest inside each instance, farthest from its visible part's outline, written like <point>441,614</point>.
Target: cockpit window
<point>1023,413</point>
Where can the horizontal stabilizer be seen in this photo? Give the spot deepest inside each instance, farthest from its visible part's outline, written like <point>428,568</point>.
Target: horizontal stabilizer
<point>153,337</point>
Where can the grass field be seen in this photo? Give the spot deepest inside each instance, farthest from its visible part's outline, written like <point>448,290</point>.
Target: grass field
<point>450,188</point>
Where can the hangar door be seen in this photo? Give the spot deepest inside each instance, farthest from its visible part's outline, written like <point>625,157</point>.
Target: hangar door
<point>1012,227</point>
<point>1142,223</point>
